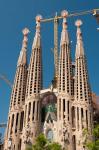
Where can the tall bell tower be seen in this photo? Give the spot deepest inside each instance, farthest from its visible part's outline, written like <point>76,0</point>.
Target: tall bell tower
<point>82,105</point>
<point>33,87</point>
<point>65,89</point>
<point>16,110</point>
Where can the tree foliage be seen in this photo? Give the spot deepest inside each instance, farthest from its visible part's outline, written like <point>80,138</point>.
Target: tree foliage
<point>54,146</point>
<point>94,144</point>
<point>43,144</point>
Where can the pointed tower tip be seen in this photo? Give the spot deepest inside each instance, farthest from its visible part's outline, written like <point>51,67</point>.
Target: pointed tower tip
<point>38,18</point>
<point>22,56</point>
<point>37,39</point>
<point>64,13</point>
<point>78,23</point>
<point>64,34</point>
<point>25,31</point>
<point>79,45</point>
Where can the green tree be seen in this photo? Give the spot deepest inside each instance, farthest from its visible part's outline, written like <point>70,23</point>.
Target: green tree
<point>53,146</point>
<point>43,144</point>
<point>94,144</point>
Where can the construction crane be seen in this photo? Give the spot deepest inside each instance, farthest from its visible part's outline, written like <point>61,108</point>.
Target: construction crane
<point>6,80</point>
<point>3,125</point>
<point>56,49</point>
<point>55,19</point>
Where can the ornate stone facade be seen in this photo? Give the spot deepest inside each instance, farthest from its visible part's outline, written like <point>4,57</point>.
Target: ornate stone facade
<point>61,112</point>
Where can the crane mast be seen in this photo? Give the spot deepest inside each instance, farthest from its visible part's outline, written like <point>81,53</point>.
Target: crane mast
<point>3,125</point>
<point>56,49</point>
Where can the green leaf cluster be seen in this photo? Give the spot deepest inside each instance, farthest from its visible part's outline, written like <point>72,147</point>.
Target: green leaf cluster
<point>94,144</point>
<point>43,144</point>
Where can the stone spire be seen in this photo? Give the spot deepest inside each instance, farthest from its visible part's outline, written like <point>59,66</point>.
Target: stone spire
<point>79,45</point>
<point>16,112</point>
<point>64,79</point>
<point>37,38</point>
<point>81,107</point>
<point>22,56</point>
<point>64,34</point>
<point>18,91</point>
<point>82,90</point>
<point>34,85</point>
<point>65,89</point>
<point>34,79</point>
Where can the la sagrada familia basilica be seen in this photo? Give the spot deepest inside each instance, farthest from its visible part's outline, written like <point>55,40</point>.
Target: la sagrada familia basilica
<point>61,111</point>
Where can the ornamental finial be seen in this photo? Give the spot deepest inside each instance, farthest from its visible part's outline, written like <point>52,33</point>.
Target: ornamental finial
<point>38,18</point>
<point>25,32</point>
<point>37,42</point>
<point>79,45</point>
<point>78,23</point>
<point>64,13</point>
<point>64,34</point>
<point>22,56</point>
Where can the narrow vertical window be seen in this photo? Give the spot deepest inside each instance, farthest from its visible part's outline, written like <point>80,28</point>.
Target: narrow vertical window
<point>82,117</point>
<point>25,114</point>
<point>29,111</point>
<point>33,110</point>
<point>64,105</point>
<point>12,123</point>
<point>87,119</point>
<point>68,109</point>
<point>73,116</point>
<point>59,108</point>
<point>21,120</point>
<point>74,142</point>
<point>17,116</point>
<point>78,117</point>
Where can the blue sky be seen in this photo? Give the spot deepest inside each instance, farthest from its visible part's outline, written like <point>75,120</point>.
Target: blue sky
<point>17,14</point>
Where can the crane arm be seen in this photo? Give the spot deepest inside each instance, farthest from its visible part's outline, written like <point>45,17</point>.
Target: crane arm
<point>73,15</point>
<point>6,80</point>
<point>3,125</point>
